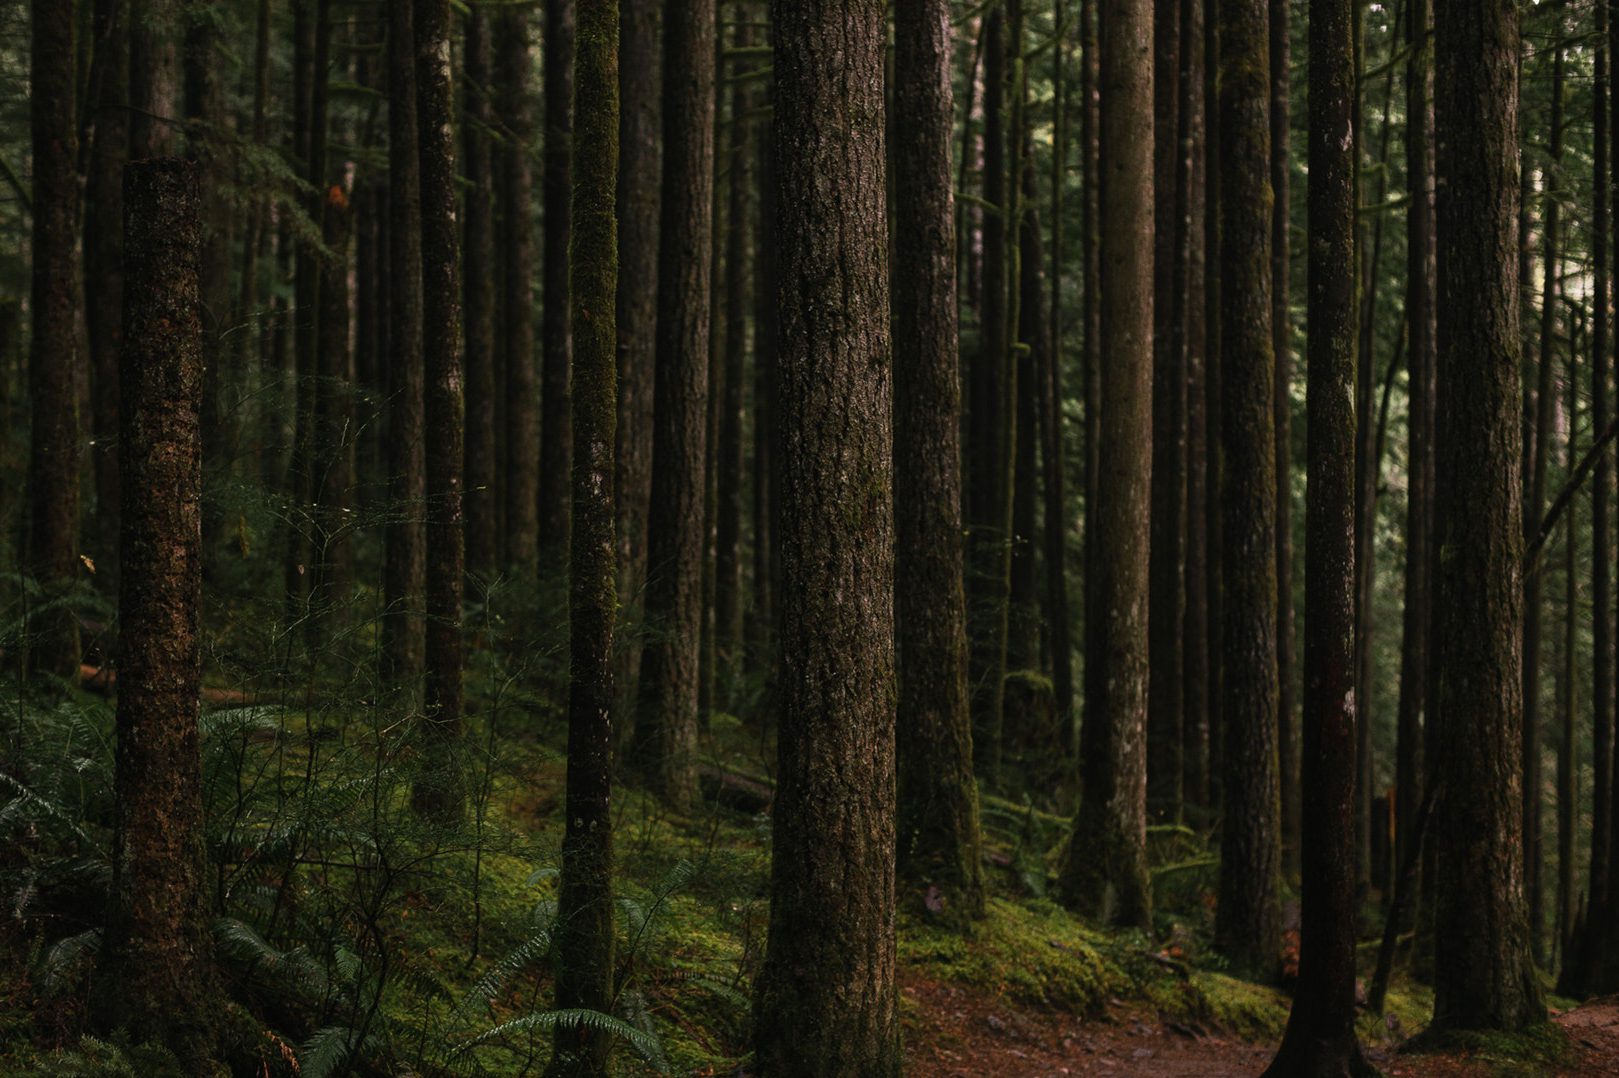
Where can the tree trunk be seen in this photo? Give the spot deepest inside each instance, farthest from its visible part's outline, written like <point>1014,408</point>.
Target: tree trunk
<point>1213,380</point>
<point>1055,517</point>
<point>1320,1037</point>
<point>556,440</point>
<point>159,984</point>
<point>1568,690</point>
<point>53,361</point>
<point>478,297</point>
<point>1106,872</point>
<point>154,79</point>
<point>404,572</point>
<point>666,720</point>
<point>1091,316</point>
<point>1484,976</point>
<point>832,878</point>
<point>104,261</point>
<point>938,833</point>
<point>514,60</point>
<point>640,107</point>
<point>332,478</point>
<point>585,899</point>
<point>439,791</point>
<point>1195,628</point>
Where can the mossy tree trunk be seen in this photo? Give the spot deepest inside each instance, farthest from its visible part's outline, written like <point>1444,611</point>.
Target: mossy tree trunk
<point>666,719</point>
<point>1320,1035</point>
<point>1248,919</point>
<point>827,998</point>
<point>156,979</point>
<point>1483,974</point>
<point>938,830</point>
<point>1106,872</point>
<point>585,901</point>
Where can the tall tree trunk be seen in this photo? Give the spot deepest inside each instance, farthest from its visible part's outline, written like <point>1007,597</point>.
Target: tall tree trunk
<point>1055,519</point>
<point>640,103</point>
<point>332,477</point>
<point>1484,975</point>
<point>1167,556</point>
<point>53,359</point>
<point>439,788</point>
<point>1248,921</point>
<point>1213,391</point>
<point>478,297</point>
<point>1282,342</point>
<point>1091,316</point>
<point>404,571</point>
<point>556,440</point>
<point>104,261</point>
<point>832,877</point>
<point>1568,689</point>
<point>514,61</point>
<point>585,899</point>
<point>158,982</point>
<point>938,832</point>
<point>1320,1035</point>
<point>666,719</point>
<point>154,79</point>
<point>1195,627</point>
<point>1106,871</point>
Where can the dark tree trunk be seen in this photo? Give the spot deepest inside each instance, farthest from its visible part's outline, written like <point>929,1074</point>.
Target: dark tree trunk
<point>154,79</point>
<point>1091,316</point>
<point>666,719</point>
<point>439,788</point>
<point>332,478</point>
<point>1195,634</point>
<point>157,980</point>
<point>640,110</point>
<point>104,260</point>
<point>1166,603</point>
<point>514,59</point>
<point>478,295</point>
<point>404,573</point>
<point>556,439</point>
<point>1106,871</point>
<point>1320,1037</point>
<point>938,832</point>
<point>1483,973</point>
<point>827,998</point>
<point>1568,687</point>
<point>53,360</point>
<point>1034,346</point>
<point>585,899</point>
<point>1055,517</point>
<point>1282,342</point>
<point>1213,381</point>
<point>1248,924</point>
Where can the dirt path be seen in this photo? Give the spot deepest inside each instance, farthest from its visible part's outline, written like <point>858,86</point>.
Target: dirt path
<point>954,1032</point>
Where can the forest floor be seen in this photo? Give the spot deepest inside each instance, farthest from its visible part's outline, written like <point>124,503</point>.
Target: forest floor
<point>962,1032</point>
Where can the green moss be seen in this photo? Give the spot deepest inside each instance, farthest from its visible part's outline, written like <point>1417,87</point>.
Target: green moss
<point>1523,1053</point>
<point>1251,1011</point>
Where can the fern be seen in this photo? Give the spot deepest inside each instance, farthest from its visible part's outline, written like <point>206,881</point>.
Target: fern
<point>646,1045</point>
<point>65,957</point>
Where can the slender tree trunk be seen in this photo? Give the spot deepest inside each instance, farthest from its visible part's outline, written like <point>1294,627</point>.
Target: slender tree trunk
<point>666,720</point>
<point>404,573</point>
<point>556,440</point>
<point>332,478</point>
<point>53,461</point>
<point>154,78</point>
<point>514,60</point>
<point>766,430</point>
<point>1106,872</point>
<point>1213,389</point>
<point>159,984</point>
<point>104,261</point>
<point>1055,517</point>
<point>938,832</point>
<point>1090,314</point>
<point>439,791</point>
<point>478,298</point>
<point>1282,343</point>
<point>585,900</point>
<point>832,879</point>
<point>1484,975</point>
<point>1320,1037</point>
<point>1195,628</point>
<point>1167,555</point>
<point>1568,690</point>
<point>640,102</point>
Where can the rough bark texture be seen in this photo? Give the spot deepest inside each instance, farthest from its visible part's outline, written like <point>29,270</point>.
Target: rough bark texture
<point>1214,523</point>
<point>513,60</point>
<point>1106,872</point>
<point>1091,315</point>
<point>1320,1036</point>
<point>639,119</point>
<point>827,998</point>
<point>938,830</point>
<point>53,361</point>
<point>154,78</point>
<point>556,363</point>
<point>438,789</point>
<point>666,719</point>
<point>478,296</point>
<point>1483,974</point>
<point>585,900</point>
<point>104,259</point>
<point>1195,632</point>
<point>156,959</point>
<point>1055,517</point>
<point>1248,921</point>
<point>404,572</point>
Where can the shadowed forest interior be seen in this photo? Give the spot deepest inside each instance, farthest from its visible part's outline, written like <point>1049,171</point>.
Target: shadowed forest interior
<point>808,538</point>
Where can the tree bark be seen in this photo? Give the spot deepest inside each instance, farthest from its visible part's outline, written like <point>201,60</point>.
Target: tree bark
<point>556,362</point>
<point>1484,976</point>
<point>827,997</point>
<point>514,59</point>
<point>1106,872</point>
<point>478,299</point>
<point>1195,628</point>
<point>104,261</point>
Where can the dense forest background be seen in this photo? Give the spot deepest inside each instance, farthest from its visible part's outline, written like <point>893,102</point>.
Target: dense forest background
<point>591,536</point>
